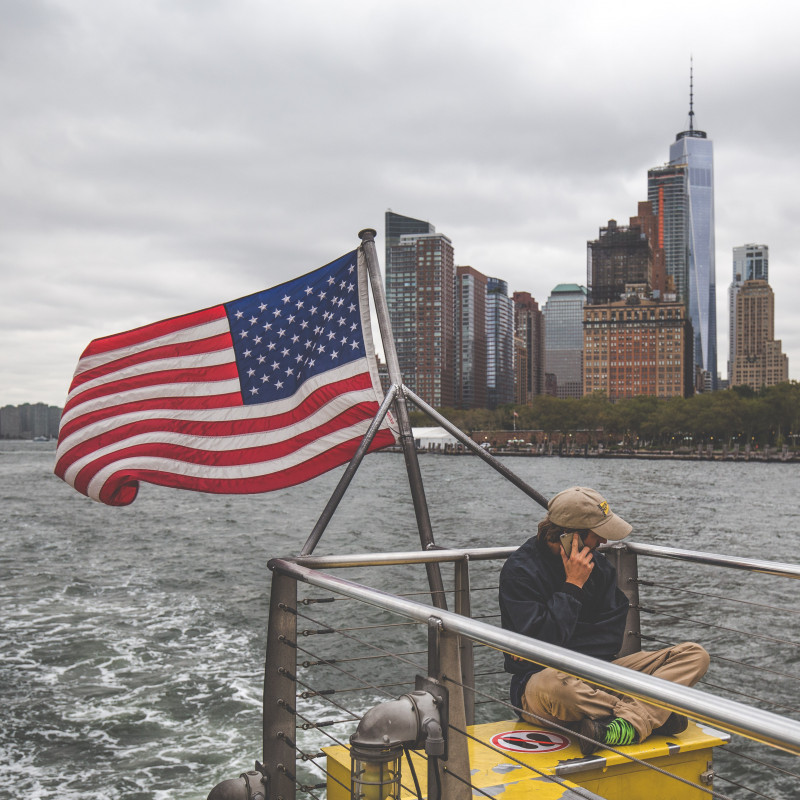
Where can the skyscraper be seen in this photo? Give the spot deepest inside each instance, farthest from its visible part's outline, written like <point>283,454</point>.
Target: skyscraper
<point>682,194</point>
<point>563,337</point>
<point>499,343</point>
<point>759,360</point>
<point>420,287</point>
<point>750,263</point>
<point>529,327</point>
<point>470,338</point>
<point>620,255</point>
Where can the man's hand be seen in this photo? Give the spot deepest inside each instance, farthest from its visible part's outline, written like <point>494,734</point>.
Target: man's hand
<point>579,565</point>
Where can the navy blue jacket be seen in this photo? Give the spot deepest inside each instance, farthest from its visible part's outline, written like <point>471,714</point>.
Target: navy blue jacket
<point>536,601</point>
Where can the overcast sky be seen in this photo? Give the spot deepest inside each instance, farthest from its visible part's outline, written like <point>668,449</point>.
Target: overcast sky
<point>158,157</point>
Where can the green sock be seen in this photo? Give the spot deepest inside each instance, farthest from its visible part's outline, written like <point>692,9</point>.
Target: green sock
<point>620,732</point>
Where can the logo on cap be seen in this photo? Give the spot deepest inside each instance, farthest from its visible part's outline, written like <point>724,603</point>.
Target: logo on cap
<point>604,508</point>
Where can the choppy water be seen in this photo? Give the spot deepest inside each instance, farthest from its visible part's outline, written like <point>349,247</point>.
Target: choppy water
<point>131,649</point>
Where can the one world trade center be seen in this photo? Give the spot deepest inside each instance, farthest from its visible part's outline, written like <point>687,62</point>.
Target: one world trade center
<point>682,194</point>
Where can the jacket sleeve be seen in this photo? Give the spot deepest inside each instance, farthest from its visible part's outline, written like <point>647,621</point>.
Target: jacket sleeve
<point>529,610</point>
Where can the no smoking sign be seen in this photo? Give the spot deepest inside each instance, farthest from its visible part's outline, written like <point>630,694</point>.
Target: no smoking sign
<point>530,741</point>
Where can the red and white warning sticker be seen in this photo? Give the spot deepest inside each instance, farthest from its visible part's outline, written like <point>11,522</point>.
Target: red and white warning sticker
<point>530,741</point>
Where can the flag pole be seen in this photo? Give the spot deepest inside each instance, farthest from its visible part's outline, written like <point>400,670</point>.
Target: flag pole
<point>347,476</point>
<point>367,237</point>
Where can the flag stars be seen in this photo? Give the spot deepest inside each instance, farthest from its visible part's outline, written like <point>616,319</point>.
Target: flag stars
<point>321,349</point>
<point>243,334</point>
<point>311,362</point>
<point>289,371</point>
<point>282,333</point>
<point>247,353</point>
<point>313,310</point>
<point>309,343</point>
<point>265,378</point>
<point>239,314</point>
<point>352,267</point>
<point>291,318</point>
<point>276,312</point>
<point>253,390</point>
<point>350,287</point>
<point>304,324</point>
<point>354,344</point>
<point>253,320</point>
<point>308,290</point>
<point>342,321</point>
<point>286,299</point>
<point>279,384</point>
<point>285,352</point>
<point>267,326</point>
<point>335,354</point>
<point>257,340</point>
<point>353,326</point>
<point>331,280</point>
<point>331,335</point>
<point>262,359</point>
<point>344,340</point>
<point>322,295</point>
<point>251,372</point>
<point>262,308</point>
<point>299,304</point>
<point>342,284</point>
<point>295,339</point>
<point>351,308</point>
<point>275,365</point>
<point>298,358</point>
<point>271,346</point>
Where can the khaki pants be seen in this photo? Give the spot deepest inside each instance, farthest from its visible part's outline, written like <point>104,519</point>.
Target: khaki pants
<point>558,697</point>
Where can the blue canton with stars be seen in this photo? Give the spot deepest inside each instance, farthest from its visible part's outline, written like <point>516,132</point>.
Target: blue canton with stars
<point>285,335</point>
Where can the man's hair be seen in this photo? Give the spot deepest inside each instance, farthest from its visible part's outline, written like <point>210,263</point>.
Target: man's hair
<point>550,532</point>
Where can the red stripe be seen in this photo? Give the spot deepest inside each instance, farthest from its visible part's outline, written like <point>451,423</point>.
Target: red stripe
<point>149,332</point>
<point>211,374</point>
<point>228,400</point>
<point>259,454</point>
<point>121,487</point>
<point>210,344</point>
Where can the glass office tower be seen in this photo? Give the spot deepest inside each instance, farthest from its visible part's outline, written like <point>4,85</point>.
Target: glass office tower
<point>682,195</point>
<point>563,339</point>
<point>696,151</point>
<point>499,343</point>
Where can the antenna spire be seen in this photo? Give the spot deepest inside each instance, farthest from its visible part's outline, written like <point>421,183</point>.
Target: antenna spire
<point>691,93</point>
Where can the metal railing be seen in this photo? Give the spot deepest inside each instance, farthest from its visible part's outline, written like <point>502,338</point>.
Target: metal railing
<point>451,636</point>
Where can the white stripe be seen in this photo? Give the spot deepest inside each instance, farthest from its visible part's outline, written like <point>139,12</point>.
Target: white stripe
<point>255,411</point>
<point>161,391</point>
<point>221,444</point>
<point>237,472</point>
<point>212,359</point>
<point>191,334</point>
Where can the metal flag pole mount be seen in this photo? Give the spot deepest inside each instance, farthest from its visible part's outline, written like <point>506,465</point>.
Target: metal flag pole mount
<point>367,237</point>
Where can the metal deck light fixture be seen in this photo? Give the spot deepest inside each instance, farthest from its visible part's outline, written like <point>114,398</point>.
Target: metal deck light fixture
<point>414,720</point>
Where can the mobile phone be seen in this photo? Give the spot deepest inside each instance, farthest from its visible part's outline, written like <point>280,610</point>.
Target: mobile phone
<point>566,542</point>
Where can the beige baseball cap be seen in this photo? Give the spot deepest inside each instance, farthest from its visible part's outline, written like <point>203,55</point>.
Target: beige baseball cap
<point>585,509</point>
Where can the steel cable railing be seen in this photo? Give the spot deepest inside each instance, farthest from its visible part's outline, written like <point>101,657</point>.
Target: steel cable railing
<point>378,653</point>
<point>488,699</point>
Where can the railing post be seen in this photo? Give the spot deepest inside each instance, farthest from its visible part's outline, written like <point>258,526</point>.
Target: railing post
<point>280,670</point>
<point>444,660</point>
<point>463,606</point>
<point>627,568</point>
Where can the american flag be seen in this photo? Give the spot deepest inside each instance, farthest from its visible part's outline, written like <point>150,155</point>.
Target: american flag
<point>257,394</point>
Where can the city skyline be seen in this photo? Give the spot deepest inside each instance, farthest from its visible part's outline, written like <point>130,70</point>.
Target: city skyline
<point>157,159</point>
